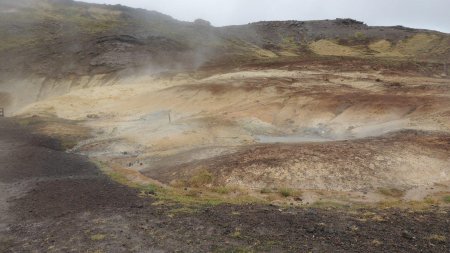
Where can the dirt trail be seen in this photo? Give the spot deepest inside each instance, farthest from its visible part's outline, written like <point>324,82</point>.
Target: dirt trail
<point>59,202</point>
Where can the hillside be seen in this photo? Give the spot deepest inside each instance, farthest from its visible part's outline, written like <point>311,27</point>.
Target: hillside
<point>57,38</point>
<point>129,131</point>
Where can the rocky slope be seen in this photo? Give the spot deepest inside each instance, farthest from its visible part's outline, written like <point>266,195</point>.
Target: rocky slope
<point>52,201</point>
<point>50,47</point>
<point>318,106</point>
<point>57,38</point>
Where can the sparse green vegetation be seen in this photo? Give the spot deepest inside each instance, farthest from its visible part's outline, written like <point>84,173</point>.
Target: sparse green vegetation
<point>77,17</point>
<point>437,238</point>
<point>266,190</point>
<point>285,192</point>
<point>446,199</point>
<point>414,205</point>
<point>275,194</point>
<point>330,48</point>
<point>377,243</point>
<point>98,237</point>
<point>201,178</point>
<point>149,189</point>
<point>224,189</point>
<point>192,197</point>
<point>360,36</point>
<point>29,121</point>
<point>119,178</point>
<point>97,251</point>
<point>391,192</point>
<point>288,192</point>
<point>236,233</point>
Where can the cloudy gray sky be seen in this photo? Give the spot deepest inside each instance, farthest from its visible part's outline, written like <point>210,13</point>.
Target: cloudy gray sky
<point>430,14</point>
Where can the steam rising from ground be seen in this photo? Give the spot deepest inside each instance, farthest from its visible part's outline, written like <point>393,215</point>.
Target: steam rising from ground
<point>5,99</point>
<point>344,131</point>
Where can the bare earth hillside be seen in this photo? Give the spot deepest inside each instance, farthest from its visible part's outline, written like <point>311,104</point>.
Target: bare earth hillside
<point>252,138</point>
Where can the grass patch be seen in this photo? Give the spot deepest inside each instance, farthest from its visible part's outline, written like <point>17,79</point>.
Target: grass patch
<point>236,233</point>
<point>279,194</point>
<point>224,190</point>
<point>437,238</point>
<point>149,189</point>
<point>330,48</point>
<point>98,237</point>
<point>121,179</point>
<point>198,197</point>
<point>266,190</point>
<point>98,251</point>
<point>202,178</point>
<point>414,205</point>
<point>391,192</point>
<point>376,243</point>
<point>193,197</point>
<point>286,192</point>
<point>446,199</point>
<point>30,121</point>
<point>189,199</point>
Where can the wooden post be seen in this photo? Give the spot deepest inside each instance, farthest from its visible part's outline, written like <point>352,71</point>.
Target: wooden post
<point>170,119</point>
<point>2,112</point>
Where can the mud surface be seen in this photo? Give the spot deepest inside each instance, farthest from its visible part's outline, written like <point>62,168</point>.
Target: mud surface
<point>52,201</point>
<point>292,126</point>
<point>348,165</point>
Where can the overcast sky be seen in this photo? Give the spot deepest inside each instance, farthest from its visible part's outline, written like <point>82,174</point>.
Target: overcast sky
<point>430,14</point>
